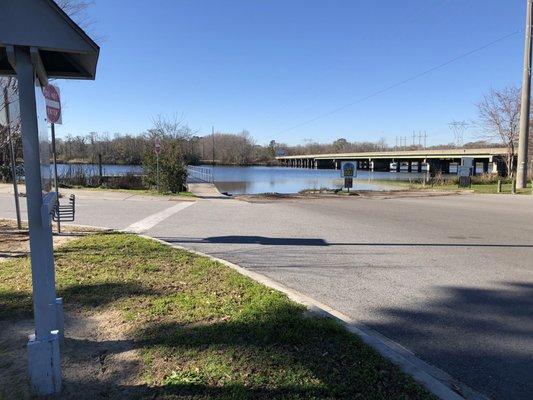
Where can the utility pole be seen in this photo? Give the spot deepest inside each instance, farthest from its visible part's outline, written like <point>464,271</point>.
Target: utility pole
<point>54,155</point>
<point>13,156</point>
<point>213,137</point>
<point>521,172</point>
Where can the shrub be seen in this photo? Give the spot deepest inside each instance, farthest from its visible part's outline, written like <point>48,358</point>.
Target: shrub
<point>486,178</point>
<point>127,181</point>
<point>5,173</point>
<point>172,168</point>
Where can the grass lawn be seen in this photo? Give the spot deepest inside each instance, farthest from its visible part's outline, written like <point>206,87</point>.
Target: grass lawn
<point>486,188</point>
<point>148,192</point>
<point>203,331</point>
<point>481,188</point>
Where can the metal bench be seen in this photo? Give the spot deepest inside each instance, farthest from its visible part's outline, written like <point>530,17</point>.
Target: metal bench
<point>65,212</point>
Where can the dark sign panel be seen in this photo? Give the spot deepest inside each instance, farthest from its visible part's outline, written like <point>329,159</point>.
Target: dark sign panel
<point>348,169</point>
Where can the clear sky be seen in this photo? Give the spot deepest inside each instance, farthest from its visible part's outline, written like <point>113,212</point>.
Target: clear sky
<point>270,65</point>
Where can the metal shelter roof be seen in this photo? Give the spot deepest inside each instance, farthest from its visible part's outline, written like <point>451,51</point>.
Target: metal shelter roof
<point>65,50</point>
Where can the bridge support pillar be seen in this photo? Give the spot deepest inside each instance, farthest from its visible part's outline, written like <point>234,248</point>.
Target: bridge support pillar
<point>409,166</point>
<point>446,167</point>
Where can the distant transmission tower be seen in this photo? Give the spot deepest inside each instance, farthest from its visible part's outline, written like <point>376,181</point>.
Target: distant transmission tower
<point>458,128</point>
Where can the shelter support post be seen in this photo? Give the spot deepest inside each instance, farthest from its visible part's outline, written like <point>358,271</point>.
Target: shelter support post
<point>43,347</point>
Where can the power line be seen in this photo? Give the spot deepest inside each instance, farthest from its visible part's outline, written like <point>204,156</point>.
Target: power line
<point>400,83</point>
<point>458,128</point>
<point>398,33</point>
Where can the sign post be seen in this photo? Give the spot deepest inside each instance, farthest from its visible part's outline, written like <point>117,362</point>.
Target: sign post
<point>348,172</point>
<point>13,155</point>
<point>157,149</point>
<point>54,116</point>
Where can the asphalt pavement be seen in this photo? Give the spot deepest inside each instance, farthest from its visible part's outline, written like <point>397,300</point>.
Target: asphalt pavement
<point>450,278</point>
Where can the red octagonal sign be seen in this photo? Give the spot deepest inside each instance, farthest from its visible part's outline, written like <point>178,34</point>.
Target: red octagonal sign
<point>53,104</point>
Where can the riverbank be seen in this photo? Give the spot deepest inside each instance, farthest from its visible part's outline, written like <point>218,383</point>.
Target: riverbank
<point>146,320</point>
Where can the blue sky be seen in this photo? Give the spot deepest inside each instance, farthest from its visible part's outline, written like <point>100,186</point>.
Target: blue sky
<point>268,66</point>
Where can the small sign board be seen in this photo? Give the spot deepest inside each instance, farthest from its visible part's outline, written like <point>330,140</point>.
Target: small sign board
<point>53,104</point>
<point>348,169</point>
<point>464,171</point>
<point>157,146</point>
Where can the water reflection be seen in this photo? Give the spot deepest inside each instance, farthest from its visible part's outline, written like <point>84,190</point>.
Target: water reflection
<point>255,180</point>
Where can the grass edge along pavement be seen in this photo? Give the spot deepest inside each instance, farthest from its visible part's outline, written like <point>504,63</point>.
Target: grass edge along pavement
<point>205,331</point>
<point>476,187</point>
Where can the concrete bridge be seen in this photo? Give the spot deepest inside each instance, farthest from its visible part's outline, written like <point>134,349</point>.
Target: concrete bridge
<point>489,160</point>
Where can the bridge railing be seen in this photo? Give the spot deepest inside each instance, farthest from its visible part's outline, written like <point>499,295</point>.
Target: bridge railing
<point>199,174</point>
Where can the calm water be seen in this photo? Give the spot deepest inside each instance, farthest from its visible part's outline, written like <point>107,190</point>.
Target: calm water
<point>92,169</point>
<point>255,180</point>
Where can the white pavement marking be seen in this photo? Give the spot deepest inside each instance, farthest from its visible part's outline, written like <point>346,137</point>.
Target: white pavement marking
<point>154,219</point>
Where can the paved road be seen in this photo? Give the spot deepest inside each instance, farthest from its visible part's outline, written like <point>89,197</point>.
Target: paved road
<point>450,278</point>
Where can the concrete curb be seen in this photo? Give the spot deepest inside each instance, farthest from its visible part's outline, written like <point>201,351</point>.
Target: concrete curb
<point>436,381</point>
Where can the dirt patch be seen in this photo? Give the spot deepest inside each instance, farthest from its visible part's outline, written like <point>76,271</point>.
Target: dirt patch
<point>14,243</point>
<point>97,358</point>
<point>383,194</point>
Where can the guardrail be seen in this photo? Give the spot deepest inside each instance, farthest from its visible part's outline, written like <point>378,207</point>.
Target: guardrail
<point>199,174</point>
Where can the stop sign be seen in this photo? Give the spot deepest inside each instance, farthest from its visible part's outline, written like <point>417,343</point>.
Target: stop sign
<point>53,104</point>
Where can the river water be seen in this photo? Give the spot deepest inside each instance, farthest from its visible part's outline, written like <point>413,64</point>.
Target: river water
<point>92,169</point>
<point>256,180</point>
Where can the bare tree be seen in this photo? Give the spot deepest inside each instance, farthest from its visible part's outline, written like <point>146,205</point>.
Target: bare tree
<point>77,10</point>
<point>499,117</point>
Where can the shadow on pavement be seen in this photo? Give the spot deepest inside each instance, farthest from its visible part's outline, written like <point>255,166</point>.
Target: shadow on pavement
<point>269,241</point>
<point>483,337</point>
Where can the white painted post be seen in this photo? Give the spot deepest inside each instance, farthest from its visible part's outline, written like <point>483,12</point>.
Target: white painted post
<point>43,347</point>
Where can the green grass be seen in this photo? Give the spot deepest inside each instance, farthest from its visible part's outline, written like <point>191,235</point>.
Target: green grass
<point>148,192</point>
<point>481,188</point>
<point>204,331</point>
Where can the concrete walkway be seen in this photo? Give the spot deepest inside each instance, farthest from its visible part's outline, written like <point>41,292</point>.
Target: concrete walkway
<point>205,191</point>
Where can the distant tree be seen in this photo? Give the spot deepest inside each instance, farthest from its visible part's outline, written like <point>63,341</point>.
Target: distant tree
<point>499,118</point>
<point>272,146</point>
<point>174,137</point>
<point>340,145</point>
